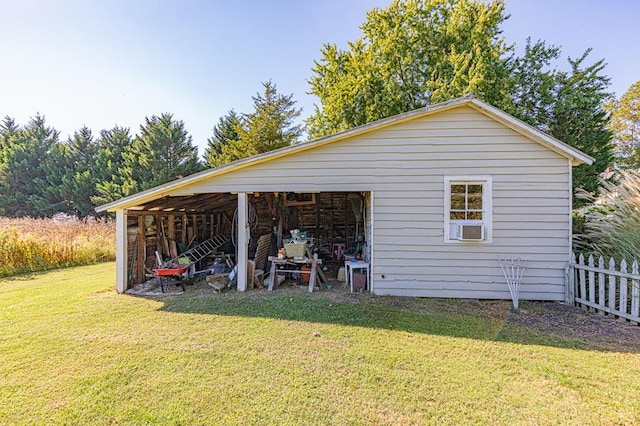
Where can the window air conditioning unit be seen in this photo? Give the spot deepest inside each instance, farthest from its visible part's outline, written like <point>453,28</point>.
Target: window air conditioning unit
<point>467,232</point>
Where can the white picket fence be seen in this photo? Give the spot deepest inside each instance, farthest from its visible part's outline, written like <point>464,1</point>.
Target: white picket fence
<point>605,290</point>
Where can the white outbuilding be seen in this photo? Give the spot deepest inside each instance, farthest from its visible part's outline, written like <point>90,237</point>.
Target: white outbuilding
<point>431,198</point>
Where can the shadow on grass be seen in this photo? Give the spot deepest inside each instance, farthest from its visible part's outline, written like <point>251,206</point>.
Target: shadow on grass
<point>537,323</point>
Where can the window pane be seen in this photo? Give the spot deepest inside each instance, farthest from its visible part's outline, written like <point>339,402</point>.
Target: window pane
<point>458,189</point>
<point>475,189</point>
<point>474,215</point>
<point>475,202</point>
<point>457,202</point>
<point>457,216</point>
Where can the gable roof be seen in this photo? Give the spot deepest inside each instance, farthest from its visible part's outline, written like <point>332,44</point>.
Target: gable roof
<point>577,157</point>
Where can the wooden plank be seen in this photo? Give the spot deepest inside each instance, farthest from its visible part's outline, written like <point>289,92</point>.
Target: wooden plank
<point>635,292</point>
<point>183,238</point>
<point>312,277</point>
<point>601,283</point>
<point>609,310</point>
<point>582,279</point>
<point>612,284</point>
<point>623,287</point>
<point>194,224</point>
<point>571,281</point>
<point>142,251</point>
<point>171,226</point>
<point>592,281</point>
<point>615,273</point>
<point>319,271</point>
<point>272,276</point>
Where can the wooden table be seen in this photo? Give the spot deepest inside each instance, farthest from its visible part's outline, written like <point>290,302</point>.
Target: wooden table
<point>292,261</point>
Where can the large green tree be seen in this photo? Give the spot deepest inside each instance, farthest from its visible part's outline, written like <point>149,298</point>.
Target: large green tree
<point>625,126</point>
<point>569,104</point>
<point>419,52</point>
<point>533,84</point>
<point>29,168</point>
<point>412,54</point>
<point>578,118</point>
<point>270,126</point>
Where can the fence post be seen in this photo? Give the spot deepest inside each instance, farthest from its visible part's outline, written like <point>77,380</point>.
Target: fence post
<point>601,285</point>
<point>623,287</point>
<point>570,281</point>
<point>592,283</point>
<point>582,280</point>
<point>612,285</point>
<point>635,293</point>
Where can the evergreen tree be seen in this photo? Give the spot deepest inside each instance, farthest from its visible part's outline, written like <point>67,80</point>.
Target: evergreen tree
<point>580,119</point>
<point>80,179</point>
<point>270,126</point>
<point>29,181</point>
<point>534,84</point>
<point>163,151</point>
<point>224,133</point>
<point>110,168</point>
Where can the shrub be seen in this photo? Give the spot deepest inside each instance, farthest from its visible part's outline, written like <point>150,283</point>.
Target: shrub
<point>29,245</point>
<point>612,221</point>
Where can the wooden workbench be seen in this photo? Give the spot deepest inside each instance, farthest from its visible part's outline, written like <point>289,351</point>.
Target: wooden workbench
<point>292,261</point>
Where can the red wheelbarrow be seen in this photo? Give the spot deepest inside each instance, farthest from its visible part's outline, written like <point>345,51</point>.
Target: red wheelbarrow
<point>165,273</point>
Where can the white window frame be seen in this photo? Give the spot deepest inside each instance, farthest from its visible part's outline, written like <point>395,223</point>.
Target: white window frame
<point>487,207</point>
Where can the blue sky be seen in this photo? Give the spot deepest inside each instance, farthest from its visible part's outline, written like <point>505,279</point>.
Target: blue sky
<point>102,63</point>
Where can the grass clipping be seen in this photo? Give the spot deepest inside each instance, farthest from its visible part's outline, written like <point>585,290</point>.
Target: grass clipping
<point>29,245</point>
<point>612,221</point>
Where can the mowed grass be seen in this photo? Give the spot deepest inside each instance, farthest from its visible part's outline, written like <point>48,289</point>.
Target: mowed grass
<point>73,351</point>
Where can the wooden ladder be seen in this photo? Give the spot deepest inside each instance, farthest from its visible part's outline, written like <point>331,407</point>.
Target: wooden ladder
<point>200,251</point>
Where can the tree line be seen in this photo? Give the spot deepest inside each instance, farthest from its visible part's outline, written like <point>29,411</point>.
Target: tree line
<point>41,175</point>
<point>410,54</point>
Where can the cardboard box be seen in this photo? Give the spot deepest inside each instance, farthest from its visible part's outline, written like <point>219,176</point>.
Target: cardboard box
<point>359,281</point>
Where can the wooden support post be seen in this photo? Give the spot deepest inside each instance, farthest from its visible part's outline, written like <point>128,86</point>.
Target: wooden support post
<point>242,241</point>
<point>142,250</point>
<point>171,234</point>
<point>159,236</point>
<point>184,230</point>
<point>194,224</point>
<point>121,251</point>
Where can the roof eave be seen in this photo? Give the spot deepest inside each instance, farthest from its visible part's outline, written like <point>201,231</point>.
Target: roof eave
<point>167,188</point>
<point>519,126</point>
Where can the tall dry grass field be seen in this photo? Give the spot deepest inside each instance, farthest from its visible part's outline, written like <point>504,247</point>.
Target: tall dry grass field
<point>29,245</point>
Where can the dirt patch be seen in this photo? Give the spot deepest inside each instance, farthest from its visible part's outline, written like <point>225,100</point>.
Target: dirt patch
<point>594,330</point>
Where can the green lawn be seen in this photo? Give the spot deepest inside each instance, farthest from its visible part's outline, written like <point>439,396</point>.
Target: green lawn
<point>72,351</point>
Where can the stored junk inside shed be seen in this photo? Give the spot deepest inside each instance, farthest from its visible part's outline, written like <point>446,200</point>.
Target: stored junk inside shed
<point>172,225</point>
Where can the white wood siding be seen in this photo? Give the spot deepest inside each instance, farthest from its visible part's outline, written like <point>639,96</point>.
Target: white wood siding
<point>405,165</point>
